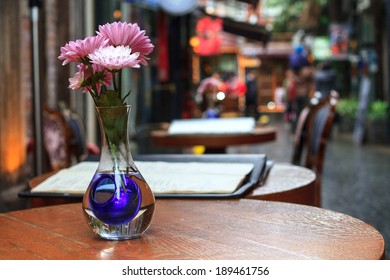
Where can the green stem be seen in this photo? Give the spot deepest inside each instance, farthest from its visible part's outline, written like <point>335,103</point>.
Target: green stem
<point>119,83</point>
<point>114,81</point>
<point>113,152</point>
<point>94,96</point>
<point>93,77</point>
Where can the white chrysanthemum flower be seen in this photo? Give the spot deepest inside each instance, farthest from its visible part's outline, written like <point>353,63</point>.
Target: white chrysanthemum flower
<point>115,58</point>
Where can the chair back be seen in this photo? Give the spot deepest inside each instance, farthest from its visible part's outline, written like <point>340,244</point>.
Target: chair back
<point>312,134</point>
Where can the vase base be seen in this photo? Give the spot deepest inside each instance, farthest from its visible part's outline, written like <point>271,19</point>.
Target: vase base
<point>119,238</point>
<point>130,230</point>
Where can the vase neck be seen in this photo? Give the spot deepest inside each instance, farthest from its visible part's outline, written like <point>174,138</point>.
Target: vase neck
<point>114,130</point>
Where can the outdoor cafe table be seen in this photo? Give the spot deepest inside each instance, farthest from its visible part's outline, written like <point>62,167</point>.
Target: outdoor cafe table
<point>195,229</point>
<point>214,138</point>
<point>285,183</point>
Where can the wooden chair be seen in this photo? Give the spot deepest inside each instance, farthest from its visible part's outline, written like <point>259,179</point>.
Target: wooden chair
<point>312,134</point>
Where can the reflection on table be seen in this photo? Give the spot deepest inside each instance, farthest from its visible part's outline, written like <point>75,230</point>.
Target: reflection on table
<point>196,229</point>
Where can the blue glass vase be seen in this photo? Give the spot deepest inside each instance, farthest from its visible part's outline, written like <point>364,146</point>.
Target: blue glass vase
<point>118,203</point>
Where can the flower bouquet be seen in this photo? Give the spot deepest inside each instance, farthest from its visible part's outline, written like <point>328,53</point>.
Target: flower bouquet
<point>118,203</point>
<point>101,59</point>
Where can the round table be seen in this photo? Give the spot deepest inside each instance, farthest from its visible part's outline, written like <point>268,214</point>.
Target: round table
<point>287,183</point>
<point>214,143</point>
<point>196,229</point>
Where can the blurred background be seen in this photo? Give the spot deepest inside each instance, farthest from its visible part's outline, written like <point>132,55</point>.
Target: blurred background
<point>250,46</point>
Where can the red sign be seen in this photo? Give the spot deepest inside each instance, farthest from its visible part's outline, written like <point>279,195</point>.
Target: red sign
<point>207,30</point>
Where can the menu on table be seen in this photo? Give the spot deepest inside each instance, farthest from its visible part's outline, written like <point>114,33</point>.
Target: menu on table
<point>241,125</point>
<point>162,177</point>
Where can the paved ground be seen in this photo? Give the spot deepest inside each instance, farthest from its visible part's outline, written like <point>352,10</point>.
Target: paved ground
<point>356,179</point>
<point>357,182</point>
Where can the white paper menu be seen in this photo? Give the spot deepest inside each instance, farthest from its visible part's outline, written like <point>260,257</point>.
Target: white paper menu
<point>241,125</point>
<point>162,177</point>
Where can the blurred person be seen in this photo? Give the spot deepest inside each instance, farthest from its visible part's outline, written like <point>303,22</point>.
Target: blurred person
<point>300,84</point>
<point>233,86</point>
<point>325,78</point>
<point>290,97</point>
<point>235,91</point>
<point>298,59</point>
<point>304,88</point>
<point>206,94</point>
<point>251,96</point>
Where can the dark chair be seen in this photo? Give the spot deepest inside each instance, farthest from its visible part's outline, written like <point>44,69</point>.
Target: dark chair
<point>312,134</point>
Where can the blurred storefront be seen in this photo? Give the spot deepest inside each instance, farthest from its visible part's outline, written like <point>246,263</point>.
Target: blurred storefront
<point>242,44</point>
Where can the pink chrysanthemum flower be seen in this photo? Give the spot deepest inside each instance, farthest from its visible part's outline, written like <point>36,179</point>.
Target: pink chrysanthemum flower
<point>77,51</point>
<point>127,34</point>
<point>82,79</point>
<point>76,81</point>
<point>115,58</point>
<point>104,76</point>
<point>102,57</point>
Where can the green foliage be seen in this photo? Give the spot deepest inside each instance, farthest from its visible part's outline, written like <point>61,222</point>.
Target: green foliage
<point>290,12</point>
<point>347,107</point>
<point>109,98</point>
<point>378,110</point>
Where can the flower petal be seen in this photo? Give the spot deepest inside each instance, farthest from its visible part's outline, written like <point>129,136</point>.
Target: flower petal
<point>127,34</point>
<point>115,58</point>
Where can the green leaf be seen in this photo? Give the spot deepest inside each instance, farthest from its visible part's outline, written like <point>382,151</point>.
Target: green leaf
<point>114,123</point>
<point>108,99</point>
<point>124,98</point>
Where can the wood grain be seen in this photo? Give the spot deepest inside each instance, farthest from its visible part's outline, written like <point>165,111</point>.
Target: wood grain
<point>287,183</point>
<point>195,229</point>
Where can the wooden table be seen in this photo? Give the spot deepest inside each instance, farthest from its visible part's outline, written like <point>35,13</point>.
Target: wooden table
<point>287,183</point>
<point>198,230</point>
<point>284,183</point>
<point>214,143</point>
